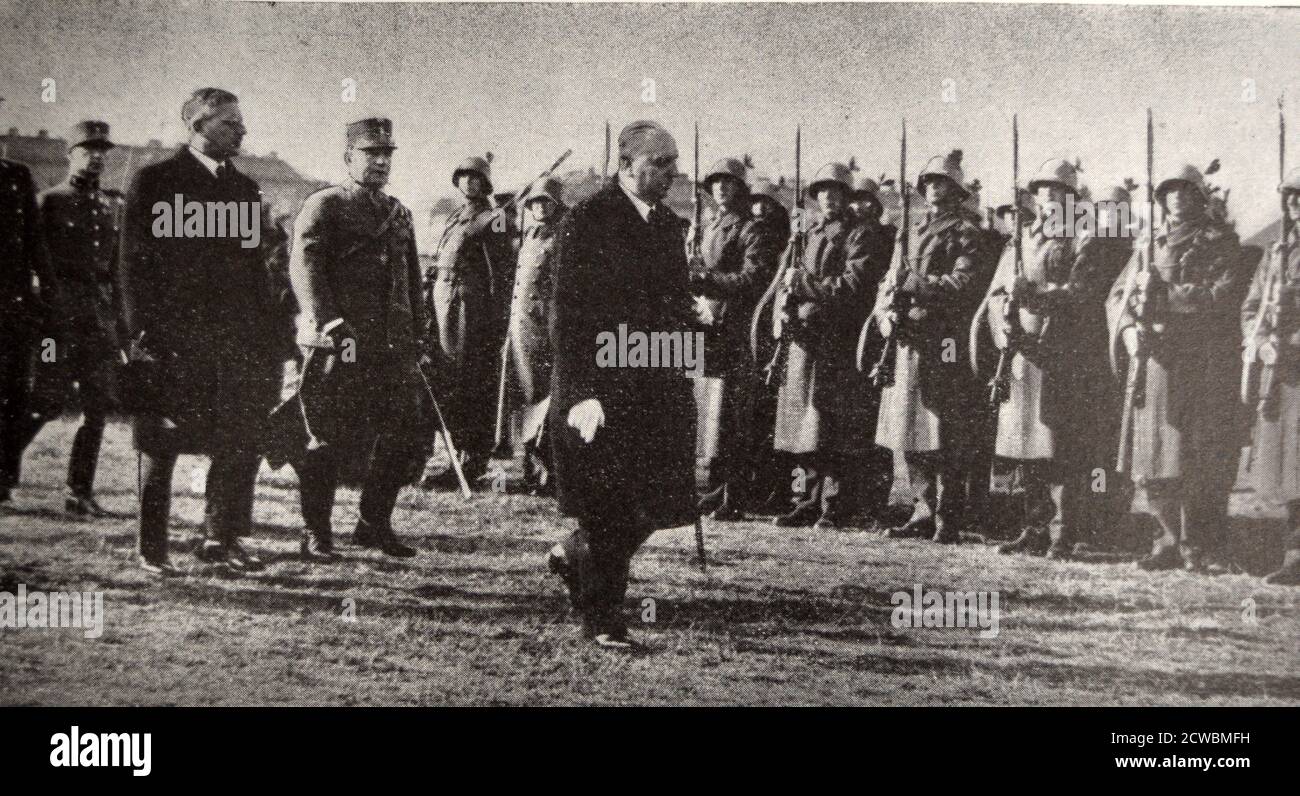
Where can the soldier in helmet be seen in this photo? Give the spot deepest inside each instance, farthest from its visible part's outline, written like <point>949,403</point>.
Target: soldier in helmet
<point>930,412</point>
<point>530,348</point>
<point>81,236</point>
<point>771,469</point>
<point>469,312</point>
<point>356,275</point>
<point>735,261</point>
<point>1058,393</point>
<point>27,289</point>
<point>821,302</point>
<point>1175,322</point>
<point>1270,322</point>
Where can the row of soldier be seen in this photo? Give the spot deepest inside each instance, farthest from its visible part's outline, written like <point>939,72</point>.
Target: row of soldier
<point>203,325</point>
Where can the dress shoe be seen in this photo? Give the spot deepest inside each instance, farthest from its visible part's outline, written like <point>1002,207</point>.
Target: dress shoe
<point>381,538</point>
<point>727,512</point>
<point>1289,574</point>
<point>238,558</point>
<point>1202,562</point>
<point>1161,558</point>
<point>317,545</point>
<point>160,568</point>
<point>211,552</point>
<point>803,515</point>
<point>1031,541</point>
<point>914,528</point>
<point>84,506</point>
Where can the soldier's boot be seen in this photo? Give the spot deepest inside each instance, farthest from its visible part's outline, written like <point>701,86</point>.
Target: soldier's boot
<point>318,544</point>
<point>1289,573</point>
<point>82,464</point>
<point>1031,541</point>
<point>805,512</point>
<point>1203,562</point>
<point>949,505</point>
<point>921,523</point>
<point>1164,553</point>
<point>711,499</point>
<point>380,537</point>
<point>832,504</point>
<point>84,505</point>
<point>1058,527</point>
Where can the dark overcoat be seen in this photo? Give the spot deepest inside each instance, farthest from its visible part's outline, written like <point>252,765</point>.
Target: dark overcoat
<point>615,268</point>
<point>201,310</point>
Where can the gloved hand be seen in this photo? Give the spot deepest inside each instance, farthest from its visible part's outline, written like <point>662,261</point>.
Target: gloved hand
<point>1132,340</point>
<point>342,333</point>
<point>587,416</point>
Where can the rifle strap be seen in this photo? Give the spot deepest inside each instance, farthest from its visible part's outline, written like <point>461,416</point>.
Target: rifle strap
<point>378,233</point>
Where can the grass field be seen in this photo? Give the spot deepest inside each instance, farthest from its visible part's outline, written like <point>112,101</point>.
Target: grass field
<point>783,617</point>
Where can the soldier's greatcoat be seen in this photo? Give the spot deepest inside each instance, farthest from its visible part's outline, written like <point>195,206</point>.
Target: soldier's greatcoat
<point>530,344</point>
<point>1060,383</point>
<point>738,262</point>
<point>615,268</point>
<point>1189,426</point>
<point>1275,445</point>
<point>202,307</point>
<point>931,403</point>
<point>829,297</point>
<point>470,302</point>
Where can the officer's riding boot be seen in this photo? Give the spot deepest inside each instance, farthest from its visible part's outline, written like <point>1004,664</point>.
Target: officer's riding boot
<point>832,503</point>
<point>808,508</point>
<point>1033,539</point>
<point>1289,574</point>
<point>1168,512</point>
<point>82,463</point>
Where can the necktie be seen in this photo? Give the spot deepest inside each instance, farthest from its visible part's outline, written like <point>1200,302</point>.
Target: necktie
<point>223,171</point>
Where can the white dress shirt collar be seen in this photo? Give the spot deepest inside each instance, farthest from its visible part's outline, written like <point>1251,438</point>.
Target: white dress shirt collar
<point>208,163</point>
<point>641,207</point>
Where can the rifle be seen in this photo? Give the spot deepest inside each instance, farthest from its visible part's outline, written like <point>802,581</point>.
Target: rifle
<point>1141,283</point>
<point>696,232</point>
<point>781,320</point>
<point>882,374</point>
<point>500,432</point>
<point>1263,345</point>
<point>1000,384</point>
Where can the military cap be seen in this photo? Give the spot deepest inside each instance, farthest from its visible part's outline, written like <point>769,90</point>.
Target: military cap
<point>90,133</point>
<point>549,187</point>
<point>373,133</point>
<point>831,173</point>
<point>1187,174</point>
<point>727,167</point>
<point>474,165</point>
<point>864,185</point>
<point>1056,171</point>
<point>1292,181</point>
<point>944,167</point>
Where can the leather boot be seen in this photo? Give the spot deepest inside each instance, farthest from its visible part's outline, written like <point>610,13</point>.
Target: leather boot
<point>1289,573</point>
<point>1031,541</point>
<point>805,513</point>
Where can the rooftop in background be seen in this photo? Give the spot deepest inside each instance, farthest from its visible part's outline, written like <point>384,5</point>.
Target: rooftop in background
<point>47,157</point>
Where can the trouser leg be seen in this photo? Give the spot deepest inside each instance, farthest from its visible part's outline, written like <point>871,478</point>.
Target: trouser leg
<point>390,456</point>
<point>1165,504</point>
<point>232,478</point>
<point>923,474</point>
<point>84,460</point>
<point>155,504</point>
<point>1205,502</point>
<point>318,475</point>
<point>951,486</point>
<point>834,500</point>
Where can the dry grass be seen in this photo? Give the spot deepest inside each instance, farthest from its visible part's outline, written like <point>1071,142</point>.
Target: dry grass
<point>782,618</point>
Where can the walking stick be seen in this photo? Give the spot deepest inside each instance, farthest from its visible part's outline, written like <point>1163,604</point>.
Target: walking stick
<point>446,437</point>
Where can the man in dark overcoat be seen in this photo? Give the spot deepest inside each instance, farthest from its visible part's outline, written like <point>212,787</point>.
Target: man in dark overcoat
<point>624,434</point>
<point>204,356</point>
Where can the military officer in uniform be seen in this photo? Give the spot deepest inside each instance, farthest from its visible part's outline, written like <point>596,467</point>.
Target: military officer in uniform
<point>822,302</point>
<point>1178,317</point>
<point>1056,390</point>
<point>1270,322</point>
<point>470,295</point>
<point>624,436</point>
<point>356,275</point>
<point>80,231</point>
<point>27,290</point>
<point>201,318</point>
<point>736,259</point>
<point>530,345</point>
<point>929,413</point>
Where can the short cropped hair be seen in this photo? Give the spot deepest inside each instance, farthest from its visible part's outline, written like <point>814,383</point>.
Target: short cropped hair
<point>203,104</point>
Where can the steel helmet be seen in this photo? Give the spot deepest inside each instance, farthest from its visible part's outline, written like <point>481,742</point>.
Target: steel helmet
<point>474,165</point>
<point>727,167</point>
<point>1186,173</point>
<point>1292,181</point>
<point>1056,171</point>
<point>550,187</point>
<point>831,173</point>
<point>866,185</point>
<point>765,187</point>
<point>947,167</point>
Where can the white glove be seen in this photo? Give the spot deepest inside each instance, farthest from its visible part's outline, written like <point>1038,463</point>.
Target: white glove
<point>1130,336</point>
<point>586,417</point>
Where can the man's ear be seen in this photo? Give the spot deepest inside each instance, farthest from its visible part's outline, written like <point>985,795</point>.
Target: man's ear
<point>347,156</point>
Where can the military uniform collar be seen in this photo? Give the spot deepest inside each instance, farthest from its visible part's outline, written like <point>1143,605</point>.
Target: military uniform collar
<point>86,184</point>
<point>728,219</point>
<point>375,195</point>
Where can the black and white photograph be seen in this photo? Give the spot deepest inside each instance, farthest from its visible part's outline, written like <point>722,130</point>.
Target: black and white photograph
<point>917,355</point>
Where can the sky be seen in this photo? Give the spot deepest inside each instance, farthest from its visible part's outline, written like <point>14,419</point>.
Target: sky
<point>528,81</point>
